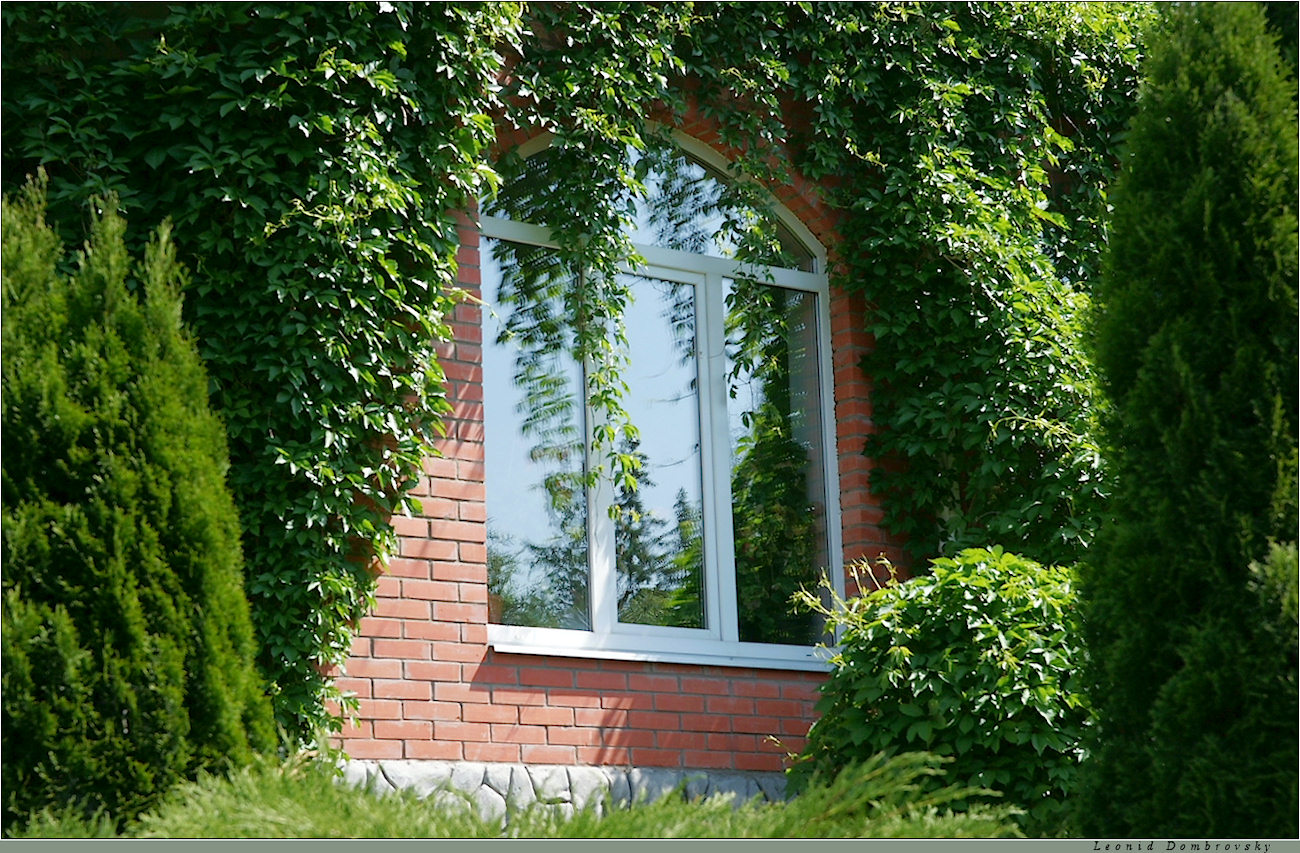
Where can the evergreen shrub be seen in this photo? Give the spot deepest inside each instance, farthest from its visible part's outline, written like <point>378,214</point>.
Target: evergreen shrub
<point>1192,656</point>
<point>975,661</point>
<point>127,646</point>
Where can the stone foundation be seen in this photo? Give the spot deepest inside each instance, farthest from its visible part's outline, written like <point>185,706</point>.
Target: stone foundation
<point>494,789</point>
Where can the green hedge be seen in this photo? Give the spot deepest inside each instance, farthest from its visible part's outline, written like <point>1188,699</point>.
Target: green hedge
<point>976,661</point>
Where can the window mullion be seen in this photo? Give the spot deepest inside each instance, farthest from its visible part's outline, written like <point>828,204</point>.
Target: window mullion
<point>600,528</point>
<point>719,551</point>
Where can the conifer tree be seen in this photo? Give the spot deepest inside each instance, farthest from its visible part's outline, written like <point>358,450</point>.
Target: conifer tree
<point>1189,599</point>
<point>127,645</point>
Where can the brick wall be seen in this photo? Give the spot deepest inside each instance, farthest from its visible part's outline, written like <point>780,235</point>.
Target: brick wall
<point>430,688</point>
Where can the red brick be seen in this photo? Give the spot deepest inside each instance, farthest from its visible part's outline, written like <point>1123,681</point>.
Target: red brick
<point>602,680</point>
<point>403,730</point>
<point>805,692</point>
<point>713,686</point>
<point>708,760</point>
<point>406,526</point>
<point>405,649</point>
<point>372,626</point>
<point>604,755</point>
<point>470,511</point>
<point>705,723</point>
<point>510,696</point>
<point>472,633</point>
<point>729,705</point>
<point>431,710</point>
<point>460,531</point>
<point>473,593</point>
<point>505,733</point>
<point>457,652</point>
<point>681,740</point>
<point>388,586</point>
<point>430,630</point>
<point>755,725</point>
<point>456,692</point>
<point>760,689</point>
<point>459,731</point>
<point>765,763</point>
<point>435,750</point>
<point>732,743</point>
<point>430,590</point>
<point>436,670</point>
<point>445,611</point>
<point>628,701</point>
<point>440,508</point>
<point>359,687</point>
<point>656,758</point>
<point>453,571</point>
<point>575,699</point>
<point>545,677</point>
<point>490,714</point>
<point>389,689</point>
<point>778,707</point>
<point>628,737</point>
<point>374,749</point>
<point>795,727</point>
<point>356,729</point>
<point>379,709</point>
<point>492,752</point>
<point>657,683</point>
<point>673,702</point>
<point>404,568</point>
<point>540,716</point>
<point>603,717</point>
<point>654,720</point>
<point>428,549</point>
<point>485,673</point>
<point>574,736</point>
<point>472,553</point>
<point>538,754</point>
<point>400,609</point>
<point>367,668</point>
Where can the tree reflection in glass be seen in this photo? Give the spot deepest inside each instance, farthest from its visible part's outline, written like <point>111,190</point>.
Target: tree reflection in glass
<point>658,544</point>
<point>777,486</point>
<point>534,414</point>
<point>538,467</point>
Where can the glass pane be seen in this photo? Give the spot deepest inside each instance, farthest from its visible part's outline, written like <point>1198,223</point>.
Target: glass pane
<point>658,535</point>
<point>535,439</point>
<point>777,476</point>
<point>692,209</point>
<point>688,206</point>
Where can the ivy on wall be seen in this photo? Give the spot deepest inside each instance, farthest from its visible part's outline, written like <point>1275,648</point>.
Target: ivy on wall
<point>310,157</point>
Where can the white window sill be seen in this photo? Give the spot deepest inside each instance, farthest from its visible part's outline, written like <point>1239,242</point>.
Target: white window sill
<point>560,642</point>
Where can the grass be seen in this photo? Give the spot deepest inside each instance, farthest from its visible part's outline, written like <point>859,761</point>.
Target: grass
<point>302,799</point>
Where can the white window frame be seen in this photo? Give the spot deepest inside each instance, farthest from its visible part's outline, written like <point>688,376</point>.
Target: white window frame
<point>718,643</point>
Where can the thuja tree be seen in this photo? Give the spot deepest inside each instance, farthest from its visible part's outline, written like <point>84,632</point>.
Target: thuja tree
<point>1193,647</point>
<point>128,650</point>
<point>310,156</point>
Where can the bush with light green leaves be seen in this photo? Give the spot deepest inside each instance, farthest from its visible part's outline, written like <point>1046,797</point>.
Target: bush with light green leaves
<point>975,661</point>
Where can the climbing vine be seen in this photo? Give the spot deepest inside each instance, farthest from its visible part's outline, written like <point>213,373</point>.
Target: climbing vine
<point>311,156</point>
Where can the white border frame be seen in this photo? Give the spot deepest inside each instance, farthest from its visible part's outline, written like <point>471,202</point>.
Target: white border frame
<point>718,645</point>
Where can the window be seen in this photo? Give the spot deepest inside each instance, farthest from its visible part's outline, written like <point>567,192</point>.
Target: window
<point>733,504</point>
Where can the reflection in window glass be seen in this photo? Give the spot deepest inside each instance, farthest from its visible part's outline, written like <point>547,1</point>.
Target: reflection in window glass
<point>535,443</point>
<point>659,546</point>
<point>777,485</point>
<point>689,207</point>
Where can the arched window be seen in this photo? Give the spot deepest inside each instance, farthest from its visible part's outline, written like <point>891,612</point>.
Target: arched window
<point>726,362</point>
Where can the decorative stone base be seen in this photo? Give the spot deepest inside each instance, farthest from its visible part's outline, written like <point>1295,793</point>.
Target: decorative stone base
<point>495,789</point>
